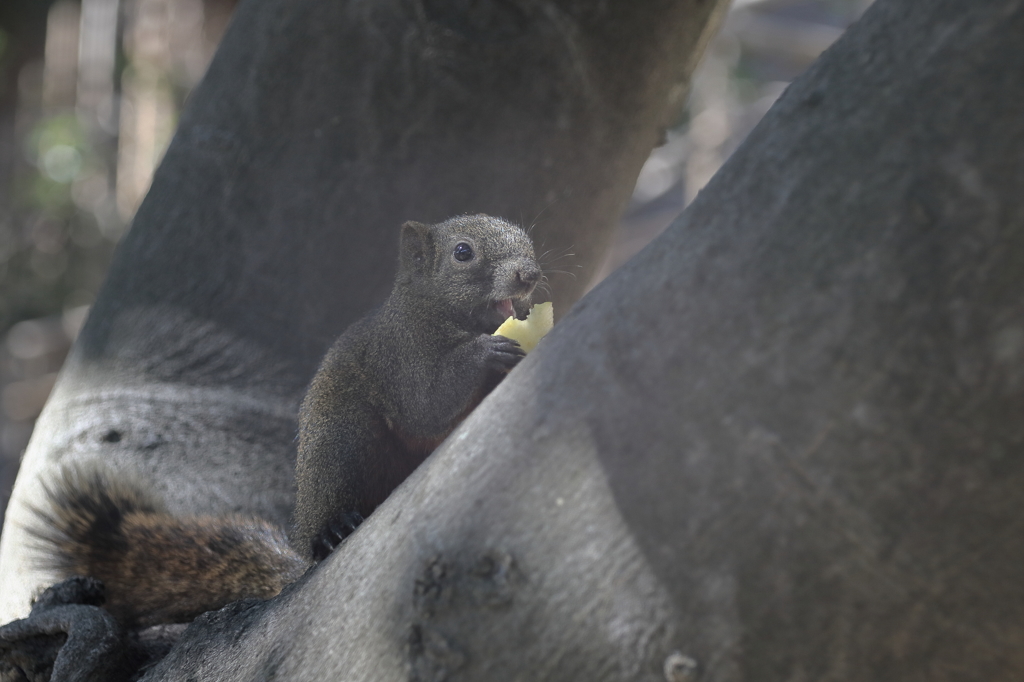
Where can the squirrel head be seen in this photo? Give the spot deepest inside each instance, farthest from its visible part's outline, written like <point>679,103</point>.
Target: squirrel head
<point>475,269</point>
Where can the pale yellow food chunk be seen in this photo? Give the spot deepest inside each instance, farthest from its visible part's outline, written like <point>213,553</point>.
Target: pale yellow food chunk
<point>528,332</point>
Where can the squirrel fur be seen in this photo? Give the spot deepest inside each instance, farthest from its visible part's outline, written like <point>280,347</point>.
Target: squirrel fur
<point>390,389</point>
<point>397,382</point>
<point>155,567</point>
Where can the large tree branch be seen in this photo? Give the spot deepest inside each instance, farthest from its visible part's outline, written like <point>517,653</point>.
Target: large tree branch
<point>273,220</point>
<point>785,441</point>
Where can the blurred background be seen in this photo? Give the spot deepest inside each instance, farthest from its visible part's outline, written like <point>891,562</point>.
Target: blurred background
<point>90,92</point>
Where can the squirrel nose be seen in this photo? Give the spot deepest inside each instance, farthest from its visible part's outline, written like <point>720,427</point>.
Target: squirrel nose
<point>528,275</point>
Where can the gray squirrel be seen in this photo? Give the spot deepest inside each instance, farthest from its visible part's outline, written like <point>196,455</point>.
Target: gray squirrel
<point>390,389</point>
<point>397,382</point>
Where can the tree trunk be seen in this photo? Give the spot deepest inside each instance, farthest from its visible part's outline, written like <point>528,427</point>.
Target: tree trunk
<point>273,220</point>
<point>784,442</point>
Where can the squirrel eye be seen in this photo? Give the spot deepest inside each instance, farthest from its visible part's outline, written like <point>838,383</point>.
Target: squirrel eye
<point>463,252</point>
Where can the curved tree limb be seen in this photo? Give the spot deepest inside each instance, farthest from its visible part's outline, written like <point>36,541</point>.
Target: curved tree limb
<point>273,220</point>
<point>783,442</point>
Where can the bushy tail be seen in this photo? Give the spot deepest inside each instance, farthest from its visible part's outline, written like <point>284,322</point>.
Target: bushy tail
<point>157,568</point>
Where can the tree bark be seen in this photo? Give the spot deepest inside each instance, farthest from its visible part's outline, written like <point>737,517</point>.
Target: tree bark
<point>273,220</point>
<point>784,442</point>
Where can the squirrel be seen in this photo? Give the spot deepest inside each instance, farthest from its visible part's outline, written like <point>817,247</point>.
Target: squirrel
<point>389,390</point>
<point>397,382</point>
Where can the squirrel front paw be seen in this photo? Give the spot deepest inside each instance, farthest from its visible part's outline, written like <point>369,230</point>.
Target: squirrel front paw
<point>501,353</point>
<point>339,528</point>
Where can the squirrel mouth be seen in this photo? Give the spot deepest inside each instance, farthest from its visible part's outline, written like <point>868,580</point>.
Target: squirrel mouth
<point>505,308</point>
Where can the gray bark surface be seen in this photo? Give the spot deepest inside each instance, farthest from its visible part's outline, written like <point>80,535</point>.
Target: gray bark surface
<point>784,442</point>
<point>273,221</point>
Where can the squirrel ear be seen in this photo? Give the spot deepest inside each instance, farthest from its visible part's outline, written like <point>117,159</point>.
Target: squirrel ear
<point>417,247</point>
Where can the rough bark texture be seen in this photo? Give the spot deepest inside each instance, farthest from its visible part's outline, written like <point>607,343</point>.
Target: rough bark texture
<point>273,220</point>
<point>785,441</point>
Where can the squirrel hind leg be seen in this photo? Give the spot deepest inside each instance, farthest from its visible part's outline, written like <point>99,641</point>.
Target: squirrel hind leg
<point>341,526</point>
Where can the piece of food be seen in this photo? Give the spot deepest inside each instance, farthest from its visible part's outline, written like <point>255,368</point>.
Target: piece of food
<point>529,331</point>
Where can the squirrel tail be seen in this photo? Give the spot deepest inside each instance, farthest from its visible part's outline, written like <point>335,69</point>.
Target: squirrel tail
<point>157,568</point>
